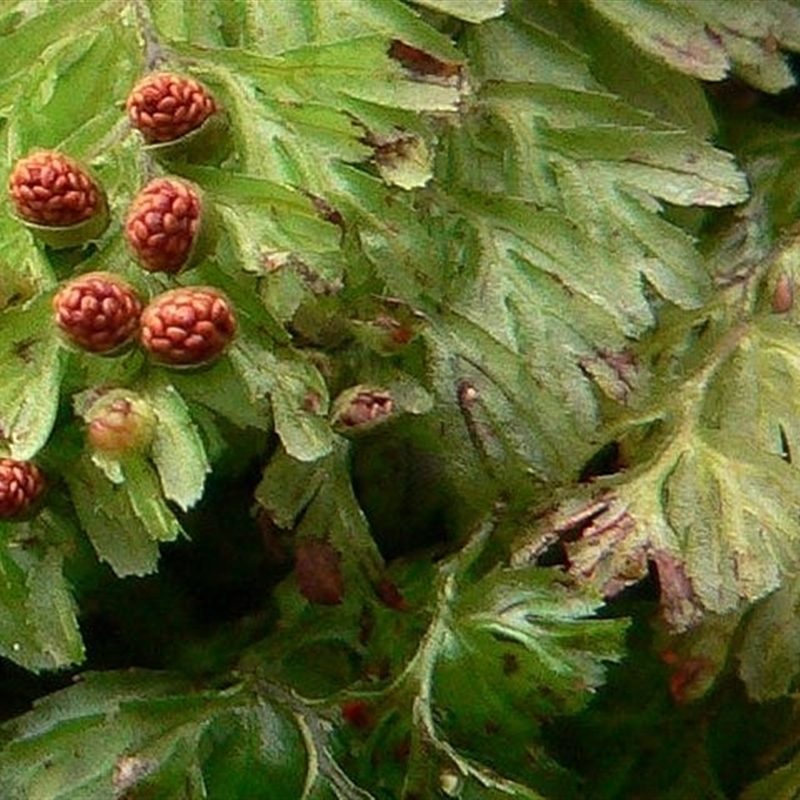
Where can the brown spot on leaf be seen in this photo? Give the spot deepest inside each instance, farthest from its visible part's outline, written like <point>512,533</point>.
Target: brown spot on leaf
<point>423,65</point>
<point>358,714</point>
<point>783,294</point>
<point>319,572</point>
<point>387,323</point>
<point>327,211</point>
<point>398,333</point>
<point>402,158</point>
<point>274,261</point>
<point>390,595</point>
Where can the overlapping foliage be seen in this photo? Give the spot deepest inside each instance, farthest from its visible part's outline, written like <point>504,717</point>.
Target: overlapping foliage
<point>497,215</point>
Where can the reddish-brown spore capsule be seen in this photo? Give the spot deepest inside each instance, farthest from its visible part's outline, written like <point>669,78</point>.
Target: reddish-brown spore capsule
<point>163,223</point>
<point>98,311</point>
<point>165,106</point>
<point>50,189</point>
<point>21,483</point>
<point>187,326</point>
<point>120,422</point>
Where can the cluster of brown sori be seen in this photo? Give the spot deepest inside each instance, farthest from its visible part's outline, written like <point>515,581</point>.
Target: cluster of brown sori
<point>186,326</point>
<point>100,312</point>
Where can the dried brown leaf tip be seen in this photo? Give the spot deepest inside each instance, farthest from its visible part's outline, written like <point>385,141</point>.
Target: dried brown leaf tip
<point>603,544</point>
<point>48,188</point>
<point>164,106</point>
<point>163,224</point>
<point>98,311</point>
<point>21,483</point>
<point>188,326</point>
<point>423,65</point>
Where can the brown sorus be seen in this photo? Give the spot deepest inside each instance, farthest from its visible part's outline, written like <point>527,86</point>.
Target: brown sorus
<point>163,224</point>
<point>21,483</point>
<point>164,106</point>
<point>187,326</point>
<point>98,311</point>
<point>120,421</point>
<point>48,188</point>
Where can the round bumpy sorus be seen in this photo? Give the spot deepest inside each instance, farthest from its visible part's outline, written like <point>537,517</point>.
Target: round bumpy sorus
<point>163,106</point>
<point>57,199</point>
<point>163,224</point>
<point>187,326</point>
<point>98,311</point>
<point>360,409</point>
<point>47,188</point>
<point>21,483</point>
<point>119,421</point>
